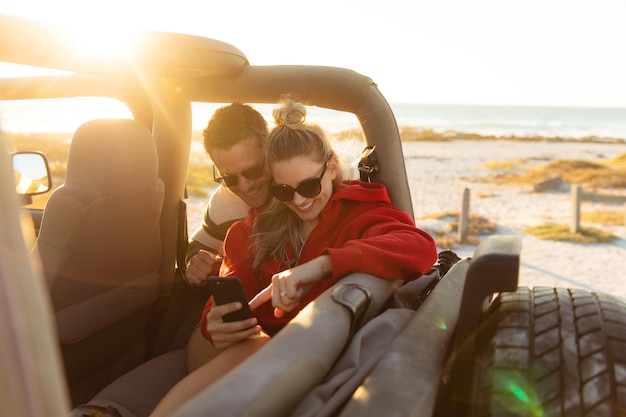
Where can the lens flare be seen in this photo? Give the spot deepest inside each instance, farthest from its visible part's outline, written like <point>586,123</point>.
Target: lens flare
<point>441,324</point>
<point>514,394</point>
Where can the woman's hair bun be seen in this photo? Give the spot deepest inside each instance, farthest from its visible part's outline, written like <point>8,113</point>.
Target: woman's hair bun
<point>290,114</point>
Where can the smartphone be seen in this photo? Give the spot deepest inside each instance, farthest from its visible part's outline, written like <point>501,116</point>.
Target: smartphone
<point>227,290</point>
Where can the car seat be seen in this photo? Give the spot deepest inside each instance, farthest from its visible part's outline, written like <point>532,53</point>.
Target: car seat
<point>100,249</point>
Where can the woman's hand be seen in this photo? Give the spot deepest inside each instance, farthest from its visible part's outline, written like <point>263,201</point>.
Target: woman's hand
<point>225,334</point>
<point>289,286</point>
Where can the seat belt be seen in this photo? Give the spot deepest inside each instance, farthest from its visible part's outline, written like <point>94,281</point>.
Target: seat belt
<point>368,164</point>
<point>155,339</point>
<point>182,237</point>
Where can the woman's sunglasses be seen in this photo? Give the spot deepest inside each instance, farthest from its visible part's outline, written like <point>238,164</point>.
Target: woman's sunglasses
<point>307,188</point>
<point>231,180</point>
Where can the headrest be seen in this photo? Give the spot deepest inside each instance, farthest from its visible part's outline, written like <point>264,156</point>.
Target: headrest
<point>112,156</point>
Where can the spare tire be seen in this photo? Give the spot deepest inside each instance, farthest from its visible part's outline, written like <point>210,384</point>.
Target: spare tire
<point>551,352</point>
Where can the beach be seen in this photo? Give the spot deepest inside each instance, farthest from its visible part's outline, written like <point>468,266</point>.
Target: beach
<point>438,173</point>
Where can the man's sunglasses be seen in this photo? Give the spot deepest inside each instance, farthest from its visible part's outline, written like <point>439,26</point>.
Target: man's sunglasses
<point>307,188</point>
<point>231,180</point>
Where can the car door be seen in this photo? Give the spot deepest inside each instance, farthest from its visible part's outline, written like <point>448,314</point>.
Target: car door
<point>31,376</point>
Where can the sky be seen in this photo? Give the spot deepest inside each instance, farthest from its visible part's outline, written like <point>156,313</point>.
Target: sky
<point>530,52</point>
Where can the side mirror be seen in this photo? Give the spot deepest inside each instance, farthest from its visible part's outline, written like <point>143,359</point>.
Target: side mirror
<point>31,173</point>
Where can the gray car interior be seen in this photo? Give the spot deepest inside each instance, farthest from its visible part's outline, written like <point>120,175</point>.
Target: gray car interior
<point>100,251</point>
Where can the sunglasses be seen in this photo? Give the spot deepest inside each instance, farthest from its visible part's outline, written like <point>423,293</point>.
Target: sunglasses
<point>307,188</point>
<point>231,180</point>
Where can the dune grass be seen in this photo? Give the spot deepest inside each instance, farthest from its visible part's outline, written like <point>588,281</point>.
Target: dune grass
<point>413,133</point>
<point>609,174</point>
<point>448,237</point>
<point>512,165</point>
<point>200,170</point>
<point>200,178</point>
<point>562,233</point>
<point>609,217</point>
<point>480,226</point>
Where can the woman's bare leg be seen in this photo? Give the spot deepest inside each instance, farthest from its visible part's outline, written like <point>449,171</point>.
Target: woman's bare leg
<point>199,351</point>
<point>207,374</point>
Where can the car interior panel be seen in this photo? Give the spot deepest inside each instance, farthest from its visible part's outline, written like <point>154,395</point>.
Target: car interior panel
<point>99,245</point>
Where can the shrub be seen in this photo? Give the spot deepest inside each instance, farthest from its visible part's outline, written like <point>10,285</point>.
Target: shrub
<point>558,232</point>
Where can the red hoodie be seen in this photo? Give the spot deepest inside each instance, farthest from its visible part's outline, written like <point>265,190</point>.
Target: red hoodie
<point>358,228</point>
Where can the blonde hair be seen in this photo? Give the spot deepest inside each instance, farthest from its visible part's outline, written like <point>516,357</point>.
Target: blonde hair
<point>278,226</point>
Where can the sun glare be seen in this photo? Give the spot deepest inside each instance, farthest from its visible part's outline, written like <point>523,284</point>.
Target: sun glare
<point>102,42</point>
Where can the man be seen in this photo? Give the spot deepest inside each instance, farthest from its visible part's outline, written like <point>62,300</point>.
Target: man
<point>234,139</point>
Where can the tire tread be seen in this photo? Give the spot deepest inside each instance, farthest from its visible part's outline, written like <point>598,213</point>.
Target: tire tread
<point>551,352</point>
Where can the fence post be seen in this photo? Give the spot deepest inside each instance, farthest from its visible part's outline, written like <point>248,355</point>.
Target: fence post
<point>464,216</point>
<point>577,193</point>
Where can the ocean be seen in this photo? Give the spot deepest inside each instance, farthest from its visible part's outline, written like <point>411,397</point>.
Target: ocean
<point>521,121</point>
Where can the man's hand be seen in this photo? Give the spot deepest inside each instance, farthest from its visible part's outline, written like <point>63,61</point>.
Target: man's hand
<point>201,266</point>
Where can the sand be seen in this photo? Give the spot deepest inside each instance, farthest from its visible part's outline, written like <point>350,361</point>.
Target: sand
<point>439,172</point>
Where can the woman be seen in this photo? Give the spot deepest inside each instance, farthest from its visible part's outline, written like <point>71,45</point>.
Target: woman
<point>316,230</point>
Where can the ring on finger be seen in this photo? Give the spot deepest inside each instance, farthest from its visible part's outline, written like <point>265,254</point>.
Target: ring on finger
<point>283,293</point>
